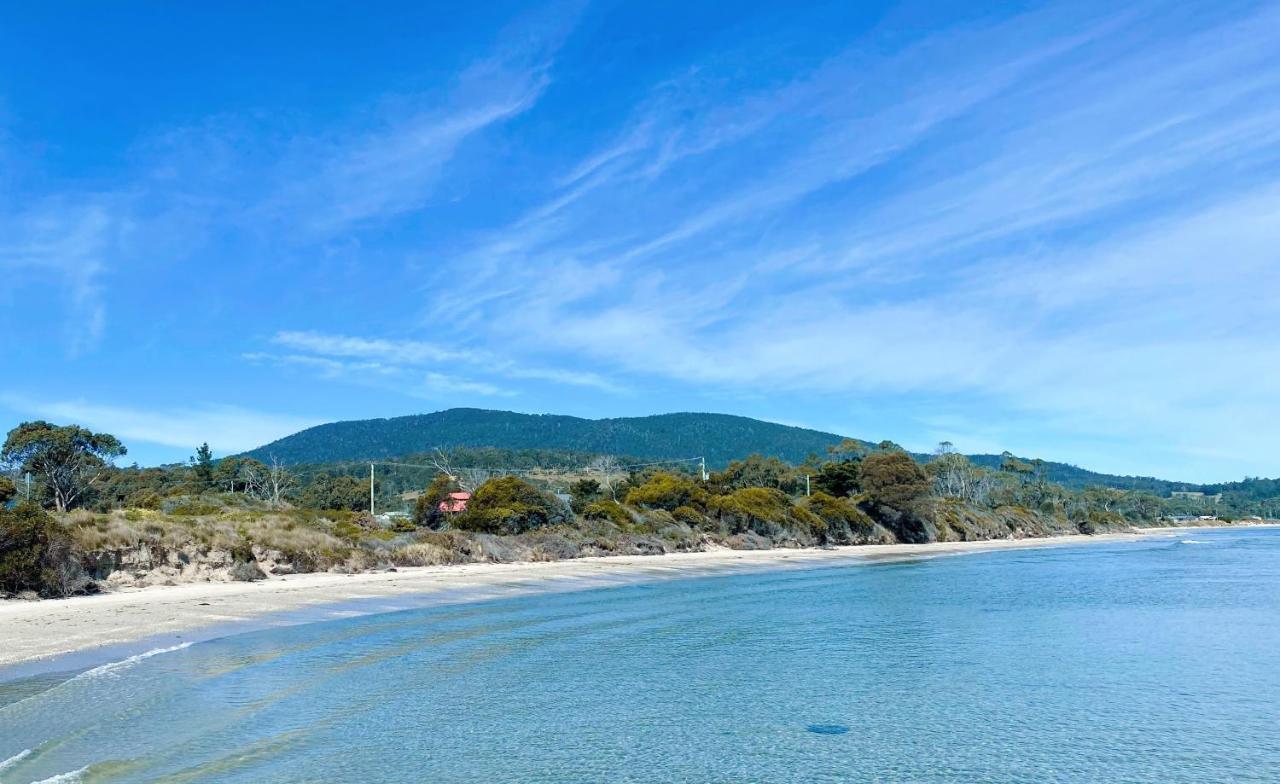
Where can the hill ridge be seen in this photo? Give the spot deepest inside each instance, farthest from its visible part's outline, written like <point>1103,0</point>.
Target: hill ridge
<point>716,436</point>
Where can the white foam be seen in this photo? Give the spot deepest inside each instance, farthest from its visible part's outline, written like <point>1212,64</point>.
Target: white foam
<point>14,760</point>
<point>111,667</point>
<point>1194,541</point>
<point>64,778</point>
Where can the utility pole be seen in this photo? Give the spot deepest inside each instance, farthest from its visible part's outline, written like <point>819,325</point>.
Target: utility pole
<point>28,487</point>
<point>806,486</point>
<point>702,461</point>
<point>371,490</point>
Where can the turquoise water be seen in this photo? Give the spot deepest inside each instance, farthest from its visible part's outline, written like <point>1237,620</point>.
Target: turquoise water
<point>1151,661</point>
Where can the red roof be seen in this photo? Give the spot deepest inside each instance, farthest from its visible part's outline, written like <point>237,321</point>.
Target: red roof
<point>456,502</point>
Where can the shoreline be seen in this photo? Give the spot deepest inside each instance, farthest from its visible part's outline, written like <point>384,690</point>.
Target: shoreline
<point>43,636</point>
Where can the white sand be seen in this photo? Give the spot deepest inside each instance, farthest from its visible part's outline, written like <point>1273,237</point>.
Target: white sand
<point>42,629</point>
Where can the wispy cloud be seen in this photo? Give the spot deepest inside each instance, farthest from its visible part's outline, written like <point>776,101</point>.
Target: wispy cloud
<point>241,178</point>
<point>227,429</point>
<point>1059,185</point>
<point>64,246</point>
<point>345,355</point>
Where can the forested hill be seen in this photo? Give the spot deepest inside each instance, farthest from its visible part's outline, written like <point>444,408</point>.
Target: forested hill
<point>717,437</point>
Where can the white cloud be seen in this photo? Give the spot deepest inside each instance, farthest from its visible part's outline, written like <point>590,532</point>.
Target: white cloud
<point>65,245</point>
<point>329,354</point>
<point>1078,233</point>
<point>406,352</point>
<point>227,429</point>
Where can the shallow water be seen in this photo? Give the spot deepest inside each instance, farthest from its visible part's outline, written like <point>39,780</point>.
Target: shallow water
<point>1149,661</point>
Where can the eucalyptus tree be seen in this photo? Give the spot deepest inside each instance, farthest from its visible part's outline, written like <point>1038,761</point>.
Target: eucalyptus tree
<point>66,460</point>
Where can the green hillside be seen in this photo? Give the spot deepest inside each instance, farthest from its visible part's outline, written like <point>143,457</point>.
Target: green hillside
<point>717,437</point>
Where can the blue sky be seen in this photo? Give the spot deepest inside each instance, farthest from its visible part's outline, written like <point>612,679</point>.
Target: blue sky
<point>1050,228</point>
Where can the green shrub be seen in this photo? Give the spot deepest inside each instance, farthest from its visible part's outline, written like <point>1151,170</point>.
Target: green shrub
<point>607,510</point>
<point>194,508</point>
<point>689,516</point>
<point>145,499</point>
<point>667,491</point>
<point>763,510</point>
<point>843,523</point>
<point>509,505</point>
<point>36,554</point>
<point>349,531</point>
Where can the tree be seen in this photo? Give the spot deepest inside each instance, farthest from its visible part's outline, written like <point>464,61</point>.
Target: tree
<point>893,479</point>
<point>509,505</point>
<point>202,467</point>
<point>610,473</point>
<point>954,476</point>
<point>758,471</point>
<point>426,510</point>
<point>467,478</point>
<point>585,492</point>
<point>276,483</point>
<point>336,492</point>
<point>838,477</point>
<point>7,490</point>
<point>68,460</point>
<point>848,449</point>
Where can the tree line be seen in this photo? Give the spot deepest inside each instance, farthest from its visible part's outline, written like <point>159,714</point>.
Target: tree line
<point>72,466</point>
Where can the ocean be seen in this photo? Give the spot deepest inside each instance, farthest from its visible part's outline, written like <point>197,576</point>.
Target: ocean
<point>1137,661</point>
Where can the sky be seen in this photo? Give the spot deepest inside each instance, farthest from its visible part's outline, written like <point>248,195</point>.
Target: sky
<point>1051,228</point>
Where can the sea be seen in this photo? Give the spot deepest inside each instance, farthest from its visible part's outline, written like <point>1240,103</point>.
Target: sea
<point>1155,660</point>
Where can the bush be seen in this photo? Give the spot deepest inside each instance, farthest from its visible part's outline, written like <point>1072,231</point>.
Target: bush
<point>7,490</point>
<point>194,507</point>
<point>509,505</point>
<point>426,510</point>
<point>844,523</point>
<point>145,499</point>
<point>667,491</point>
<point>585,492</point>
<point>893,479</point>
<point>607,510</point>
<point>36,554</point>
<point>765,511</point>
<point>689,516</point>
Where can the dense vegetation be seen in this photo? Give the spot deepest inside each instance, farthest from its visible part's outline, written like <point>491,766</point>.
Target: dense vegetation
<point>717,437</point>
<point>239,517</point>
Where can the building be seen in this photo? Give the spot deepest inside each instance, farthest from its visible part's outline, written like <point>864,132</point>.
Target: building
<point>456,502</point>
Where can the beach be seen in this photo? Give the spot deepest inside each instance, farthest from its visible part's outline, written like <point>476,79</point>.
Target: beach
<point>39,630</point>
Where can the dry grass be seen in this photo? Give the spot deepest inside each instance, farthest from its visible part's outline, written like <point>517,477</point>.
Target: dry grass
<point>131,528</point>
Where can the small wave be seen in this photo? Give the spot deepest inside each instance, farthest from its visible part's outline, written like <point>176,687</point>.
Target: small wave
<point>64,778</point>
<point>111,667</point>
<point>14,760</point>
<point>1194,541</point>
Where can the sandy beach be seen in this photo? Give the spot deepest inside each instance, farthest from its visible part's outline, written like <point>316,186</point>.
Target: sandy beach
<point>39,630</point>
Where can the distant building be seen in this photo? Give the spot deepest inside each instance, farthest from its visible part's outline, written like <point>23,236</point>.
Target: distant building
<point>456,502</point>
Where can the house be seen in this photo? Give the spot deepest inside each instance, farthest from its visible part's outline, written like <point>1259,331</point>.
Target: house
<point>456,502</point>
